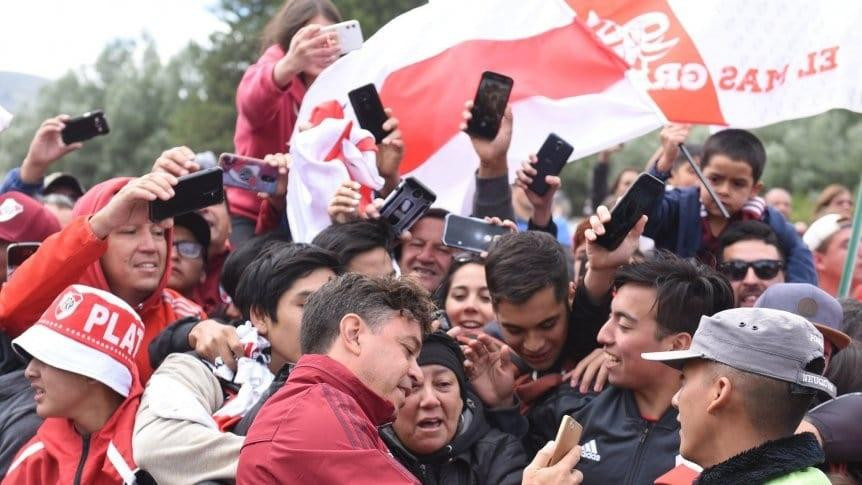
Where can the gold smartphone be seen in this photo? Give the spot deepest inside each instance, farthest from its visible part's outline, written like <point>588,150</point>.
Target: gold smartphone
<point>567,438</point>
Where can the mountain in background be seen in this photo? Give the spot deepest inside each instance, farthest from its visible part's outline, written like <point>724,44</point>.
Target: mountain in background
<point>16,89</point>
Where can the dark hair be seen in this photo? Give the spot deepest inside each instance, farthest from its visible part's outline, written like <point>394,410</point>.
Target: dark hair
<point>458,262</point>
<point>852,317</point>
<point>619,178</point>
<point>748,231</point>
<point>374,299</point>
<point>351,239</point>
<point>845,369</point>
<point>739,145</point>
<point>519,265</point>
<point>685,290</point>
<point>242,256</point>
<point>772,405</point>
<point>274,272</point>
<point>695,150</point>
<point>292,16</point>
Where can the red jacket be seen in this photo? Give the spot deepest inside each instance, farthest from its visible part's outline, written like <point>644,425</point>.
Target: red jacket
<point>266,115</point>
<point>208,294</point>
<point>57,451</point>
<point>320,427</point>
<point>72,256</point>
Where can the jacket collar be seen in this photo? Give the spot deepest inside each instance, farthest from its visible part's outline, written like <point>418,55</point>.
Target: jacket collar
<point>666,421</point>
<point>321,369</point>
<point>770,460</point>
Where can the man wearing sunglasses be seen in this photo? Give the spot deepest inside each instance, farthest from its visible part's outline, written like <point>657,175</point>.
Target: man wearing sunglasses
<point>188,259</point>
<point>751,258</point>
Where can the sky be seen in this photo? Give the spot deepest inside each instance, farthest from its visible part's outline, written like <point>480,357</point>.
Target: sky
<point>49,37</point>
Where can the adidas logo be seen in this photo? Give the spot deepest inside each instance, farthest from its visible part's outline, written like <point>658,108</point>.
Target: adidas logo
<point>590,451</point>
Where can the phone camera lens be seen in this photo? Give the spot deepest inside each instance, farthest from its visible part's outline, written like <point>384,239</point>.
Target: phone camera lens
<point>417,193</point>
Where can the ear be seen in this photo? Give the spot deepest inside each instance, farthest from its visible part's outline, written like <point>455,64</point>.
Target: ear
<point>719,395</point>
<point>260,320</point>
<point>572,290</point>
<point>680,341</point>
<point>818,261</point>
<point>757,188</point>
<point>350,328</point>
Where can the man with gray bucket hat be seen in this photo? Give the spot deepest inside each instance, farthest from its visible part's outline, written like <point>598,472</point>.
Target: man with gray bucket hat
<point>748,379</point>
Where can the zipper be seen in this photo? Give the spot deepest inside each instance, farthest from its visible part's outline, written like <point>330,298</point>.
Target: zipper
<point>635,469</point>
<point>84,452</point>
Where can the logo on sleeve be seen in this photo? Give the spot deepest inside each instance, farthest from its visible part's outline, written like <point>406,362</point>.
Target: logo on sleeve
<point>590,451</point>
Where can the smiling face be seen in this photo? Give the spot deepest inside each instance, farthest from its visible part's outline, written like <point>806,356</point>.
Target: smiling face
<point>425,258</point>
<point>748,289</point>
<point>387,360</point>
<point>536,329</point>
<point>630,331</point>
<point>468,303</point>
<point>134,262</point>
<point>428,420</point>
<point>733,182</point>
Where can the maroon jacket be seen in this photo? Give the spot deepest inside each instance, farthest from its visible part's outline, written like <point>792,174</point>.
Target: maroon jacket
<point>321,427</point>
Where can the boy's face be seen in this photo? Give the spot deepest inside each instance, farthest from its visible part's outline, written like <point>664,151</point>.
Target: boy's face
<point>536,329</point>
<point>733,182</point>
<point>58,393</point>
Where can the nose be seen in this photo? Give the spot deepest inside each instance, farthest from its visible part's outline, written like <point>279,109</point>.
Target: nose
<point>175,255</point>
<point>427,253</point>
<point>605,336</point>
<point>750,277</point>
<point>533,342</point>
<point>146,241</point>
<point>32,370</point>
<point>428,398</point>
<point>674,401</point>
<point>414,372</point>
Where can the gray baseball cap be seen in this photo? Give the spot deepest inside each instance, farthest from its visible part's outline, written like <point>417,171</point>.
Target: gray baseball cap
<point>809,301</point>
<point>763,341</point>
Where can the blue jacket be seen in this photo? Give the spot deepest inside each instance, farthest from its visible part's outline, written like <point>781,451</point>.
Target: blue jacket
<point>13,182</point>
<point>675,225</point>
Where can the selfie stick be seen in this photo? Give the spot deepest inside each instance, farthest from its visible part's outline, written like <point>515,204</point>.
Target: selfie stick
<point>703,180</point>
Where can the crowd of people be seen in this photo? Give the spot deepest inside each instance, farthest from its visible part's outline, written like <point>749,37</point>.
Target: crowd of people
<point>210,348</point>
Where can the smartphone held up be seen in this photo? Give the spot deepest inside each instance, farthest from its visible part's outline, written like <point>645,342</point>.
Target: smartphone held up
<point>85,127</point>
<point>639,199</point>
<point>552,157</point>
<point>489,105</point>
<point>193,191</point>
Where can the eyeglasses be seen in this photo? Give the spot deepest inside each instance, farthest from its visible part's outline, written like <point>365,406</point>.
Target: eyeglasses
<point>765,269</point>
<point>188,249</point>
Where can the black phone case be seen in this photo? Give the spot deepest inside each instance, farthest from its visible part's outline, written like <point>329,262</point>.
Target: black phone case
<point>369,110</point>
<point>638,200</point>
<point>489,105</point>
<point>192,192</point>
<point>469,233</point>
<point>406,204</point>
<point>553,155</point>
<point>84,127</point>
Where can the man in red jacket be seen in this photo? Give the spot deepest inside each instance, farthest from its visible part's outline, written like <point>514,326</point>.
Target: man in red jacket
<point>81,364</point>
<point>360,337</point>
<point>111,245</point>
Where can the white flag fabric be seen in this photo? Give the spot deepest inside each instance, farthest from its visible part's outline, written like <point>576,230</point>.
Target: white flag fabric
<point>427,62</point>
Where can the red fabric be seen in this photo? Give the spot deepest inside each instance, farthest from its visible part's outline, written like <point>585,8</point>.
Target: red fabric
<point>72,256</point>
<point>266,115</point>
<point>321,427</point>
<point>23,219</point>
<point>529,389</point>
<point>208,294</point>
<point>680,475</point>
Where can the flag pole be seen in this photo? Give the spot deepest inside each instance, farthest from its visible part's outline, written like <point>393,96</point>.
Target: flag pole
<point>852,249</point>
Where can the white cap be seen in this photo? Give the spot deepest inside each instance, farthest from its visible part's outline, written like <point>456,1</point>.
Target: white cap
<point>824,228</point>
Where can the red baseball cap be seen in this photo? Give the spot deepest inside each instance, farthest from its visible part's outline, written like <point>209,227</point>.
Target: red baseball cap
<point>23,219</point>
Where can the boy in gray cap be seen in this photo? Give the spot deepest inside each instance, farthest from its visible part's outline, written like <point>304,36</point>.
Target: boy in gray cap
<point>748,379</point>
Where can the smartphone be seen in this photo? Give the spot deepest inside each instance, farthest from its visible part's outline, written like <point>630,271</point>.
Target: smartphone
<point>194,191</point>
<point>248,173</point>
<point>406,204</point>
<point>489,105</point>
<point>17,253</point>
<point>349,35</point>
<point>369,110</point>
<point>568,436</point>
<point>84,127</point>
<point>469,233</point>
<point>553,155</point>
<point>639,199</point>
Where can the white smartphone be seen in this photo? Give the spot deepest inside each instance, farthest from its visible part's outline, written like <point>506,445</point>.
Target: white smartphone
<point>349,35</point>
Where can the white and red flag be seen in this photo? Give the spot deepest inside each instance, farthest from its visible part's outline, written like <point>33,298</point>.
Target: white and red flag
<point>427,62</point>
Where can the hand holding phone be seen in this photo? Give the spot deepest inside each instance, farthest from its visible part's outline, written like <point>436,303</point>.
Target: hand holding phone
<point>568,436</point>
<point>369,111</point>
<point>84,127</point>
<point>551,159</point>
<point>192,192</point>
<point>406,204</point>
<point>469,233</point>
<point>349,35</point>
<point>489,105</point>
<point>639,199</point>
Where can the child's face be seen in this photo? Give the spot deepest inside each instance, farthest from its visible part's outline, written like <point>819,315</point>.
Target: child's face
<point>733,182</point>
<point>58,392</point>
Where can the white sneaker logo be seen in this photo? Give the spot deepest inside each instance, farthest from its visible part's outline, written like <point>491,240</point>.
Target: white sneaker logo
<point>590,451</point>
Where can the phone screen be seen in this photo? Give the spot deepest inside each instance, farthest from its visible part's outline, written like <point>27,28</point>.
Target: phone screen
<point>16,254</point>
<point>469,233</point>
<point>248,173</point>
<point>489,105</point>
<point>638,200</point>
<point>194,191</point>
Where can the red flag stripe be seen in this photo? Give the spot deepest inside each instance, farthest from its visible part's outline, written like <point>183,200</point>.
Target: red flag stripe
<point>560,63</point>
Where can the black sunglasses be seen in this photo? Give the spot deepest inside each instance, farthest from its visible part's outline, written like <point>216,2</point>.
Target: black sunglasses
<point>765,269</point>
